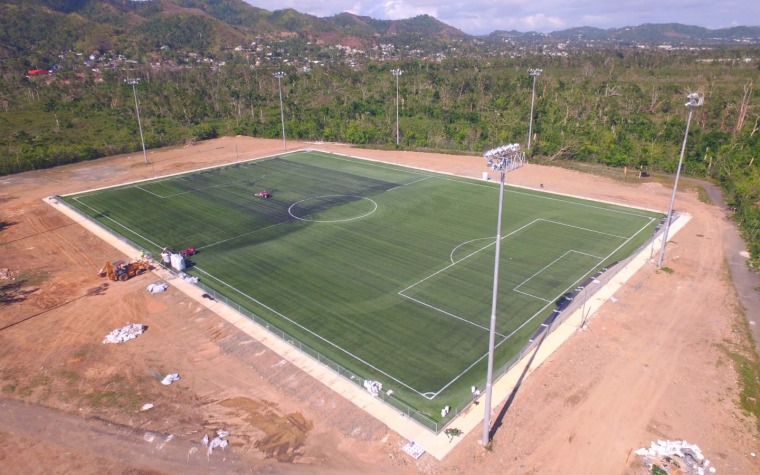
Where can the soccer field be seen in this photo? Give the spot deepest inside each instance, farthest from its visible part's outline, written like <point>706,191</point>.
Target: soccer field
<point>386,270</point>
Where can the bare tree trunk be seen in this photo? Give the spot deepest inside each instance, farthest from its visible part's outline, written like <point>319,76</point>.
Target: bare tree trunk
<point>743,107</point>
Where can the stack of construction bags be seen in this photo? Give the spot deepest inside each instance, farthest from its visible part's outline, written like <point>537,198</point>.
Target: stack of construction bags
<point>126,333</point>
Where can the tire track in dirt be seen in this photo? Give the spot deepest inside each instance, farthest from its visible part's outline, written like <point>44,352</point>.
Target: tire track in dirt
<point>58,239</point>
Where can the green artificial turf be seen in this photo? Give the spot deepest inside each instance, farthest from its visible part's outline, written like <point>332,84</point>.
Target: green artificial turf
<point>387,271</point>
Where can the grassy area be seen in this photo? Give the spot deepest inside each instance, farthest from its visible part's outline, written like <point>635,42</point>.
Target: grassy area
<point>387,271</point>
<point>743,354</point>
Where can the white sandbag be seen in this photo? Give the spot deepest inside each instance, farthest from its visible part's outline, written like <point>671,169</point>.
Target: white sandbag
<point>178,262</point>
<point>125,333</point>
<point>373,387</point>
<point>170,378</point>
<point>158,287</point>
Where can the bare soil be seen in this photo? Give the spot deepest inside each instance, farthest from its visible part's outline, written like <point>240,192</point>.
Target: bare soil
<point>652,365</point>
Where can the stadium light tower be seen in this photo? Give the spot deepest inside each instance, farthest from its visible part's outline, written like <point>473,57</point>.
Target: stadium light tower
<point>695,100</point>
<point>505,159</point>
<point>397,73</point>
<point>135,82</point>
<point>535,73</point>
<point>279,75</point>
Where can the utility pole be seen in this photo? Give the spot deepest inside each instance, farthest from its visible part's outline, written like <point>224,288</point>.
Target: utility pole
<point>535,73</point>
<point>279,75</point>
<point>397,73</point>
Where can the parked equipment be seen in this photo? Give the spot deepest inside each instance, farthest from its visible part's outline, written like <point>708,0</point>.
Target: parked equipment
<point>121,270</point>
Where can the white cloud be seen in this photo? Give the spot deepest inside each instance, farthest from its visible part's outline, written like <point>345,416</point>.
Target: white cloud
<point>541,22</point>
<point>480,17</point>
<point>400,9</point>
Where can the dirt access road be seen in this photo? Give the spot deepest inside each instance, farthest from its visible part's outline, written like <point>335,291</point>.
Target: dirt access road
<point>652,365</point>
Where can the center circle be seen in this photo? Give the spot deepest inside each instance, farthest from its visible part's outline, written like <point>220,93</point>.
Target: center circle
<point>332,208</point>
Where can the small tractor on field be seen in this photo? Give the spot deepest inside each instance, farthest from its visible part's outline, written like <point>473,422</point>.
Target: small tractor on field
<point>121,270</point>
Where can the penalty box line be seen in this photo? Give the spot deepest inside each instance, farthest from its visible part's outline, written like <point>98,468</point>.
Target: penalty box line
<point>540,271</point>
<point>320,337</point>
<point>432,395</point>
<point>433,307</point>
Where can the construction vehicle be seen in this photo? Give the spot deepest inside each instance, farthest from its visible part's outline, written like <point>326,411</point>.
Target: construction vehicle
<point>121,270</point>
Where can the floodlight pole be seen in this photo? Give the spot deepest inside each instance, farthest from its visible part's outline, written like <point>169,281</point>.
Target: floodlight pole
<point>534,73</point>
<point>504,159</point>
<point>134,82</point>
<point>695,100</point>
<point>397,73</point>
<point>279,75</point>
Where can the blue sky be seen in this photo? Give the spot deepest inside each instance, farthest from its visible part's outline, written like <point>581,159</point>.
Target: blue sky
<point>480,17</point>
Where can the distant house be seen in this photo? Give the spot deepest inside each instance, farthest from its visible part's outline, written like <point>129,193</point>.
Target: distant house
<point>37,72</point>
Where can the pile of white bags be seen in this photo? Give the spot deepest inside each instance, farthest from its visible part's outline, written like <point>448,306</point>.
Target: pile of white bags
<point>128,332</point>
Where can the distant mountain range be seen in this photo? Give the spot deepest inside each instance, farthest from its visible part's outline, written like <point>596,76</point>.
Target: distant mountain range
<point>651,34</point>
<point>39,28</point>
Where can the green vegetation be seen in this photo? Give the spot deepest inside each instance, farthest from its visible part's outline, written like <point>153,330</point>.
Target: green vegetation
<point>618,109</point>
<point>127,400</point>
<point>385,270</point>
<point>748,369</point>
<point>610,104</point>
<point>746,361</point>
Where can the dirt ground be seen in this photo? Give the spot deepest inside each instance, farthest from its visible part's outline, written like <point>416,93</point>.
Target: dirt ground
<point>652,365</point>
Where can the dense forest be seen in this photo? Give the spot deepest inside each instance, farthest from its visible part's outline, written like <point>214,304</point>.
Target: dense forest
<point>621,107</point>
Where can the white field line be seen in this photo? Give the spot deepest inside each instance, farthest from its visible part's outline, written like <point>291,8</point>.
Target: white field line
<point>590,255</point>
<point>401,292</point>
<point>310,332</point>
<point>193,190</point>
<point>543,195</point>
<point>584,229</point>
<point>470,182</point>
<point>407,184</point>
<point>573,285</point>
<point>448,313</point>
<point>451,176</point>
<point>172,175</point>
<point>451,254</point>
<point>163,197</point>
<point>549,265</point>
<point>116,223</point>
<point>241,235</point>
<point>531,295</point>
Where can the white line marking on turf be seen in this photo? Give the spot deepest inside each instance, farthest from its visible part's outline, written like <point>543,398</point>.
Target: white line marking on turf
<point>151,193</point>
<point>309,331</point>
<point>410,183</point>
<point>447,313</point>
<point>451,255</point>
<point>544,268</point>
<point>583,229</point>
<point>116,222</point>
<point>467,256</point>
<point>573,285</point>
<point>241,235</point>
<point>530,295</point>
<point>290,212</point>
